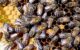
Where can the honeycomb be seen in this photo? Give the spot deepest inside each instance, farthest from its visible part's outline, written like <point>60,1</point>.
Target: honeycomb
<point>8,14</point>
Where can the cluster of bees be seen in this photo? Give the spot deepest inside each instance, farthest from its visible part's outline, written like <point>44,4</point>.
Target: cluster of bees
<point>43,25</point>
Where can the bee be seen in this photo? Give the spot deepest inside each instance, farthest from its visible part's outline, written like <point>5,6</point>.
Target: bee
<point>13,36</point>
<point>44,16</point>
<point>63,42</point>
<point>50,7</point>
<point>17,29</point>
<point>25,39</point>
<point>5,27</point>
<point>77,9</point>
<point>48,1</point>
<point>47,8</point>
<point>62,35</point>
<point>75,31</point>
<point>8,47</point>
<point>37,36</point>
<point>66,42</point>
<point>68,35</point>
<point>77,23</point>
<point>29,47</point>
<point>39,9</point>
<point>19,44</point>
<point>52,32</point>
<point>3,2</point>
<point>50,21</point>
<point>71,24</point>
<point>10,29</point>
<point>76,40</point>
<point>18,22</point>
<point>76,17</point>
<point>42,1</point>
<point>69,42</point>
<point>63,19</point>
<point>46,47</point>
<point>43,35</point>
<point>31,1</point>
<point>41,27</point>
<point>35,20</point>
<point>56,28</point>
<point>28,9</point>
<point>71,4</point>
<point>64,1</point>
<point>64,48</point>
<point>25,20</point>
<point>11,46</point>
<point>55,38</point>
<point>38,45</point>
<point>58,12</point>
<point>32,31</point>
